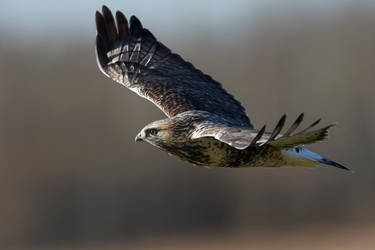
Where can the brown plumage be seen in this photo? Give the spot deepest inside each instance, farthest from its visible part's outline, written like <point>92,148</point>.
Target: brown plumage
<point>206,126</point>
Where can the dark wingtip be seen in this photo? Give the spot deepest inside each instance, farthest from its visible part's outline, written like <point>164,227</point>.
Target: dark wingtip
<point>101,51</point>
<point>331,125</point>
<point>98,17</point>
<point>135,26</point>
<point>105,9</point>
<point>311,126</point>
<point>279,126</point>
<point>99,21</point>
<point>119,13</point>
<point>282,121</point>
<point>258,136</point>
<point>135,21</point>
<point>300,117</point>
<point>148,34</point>
<point>122,25</point>
<point>109,24</point>
<point>295,125</point>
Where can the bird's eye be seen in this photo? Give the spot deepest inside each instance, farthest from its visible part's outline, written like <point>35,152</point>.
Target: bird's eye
<point>153,132</point>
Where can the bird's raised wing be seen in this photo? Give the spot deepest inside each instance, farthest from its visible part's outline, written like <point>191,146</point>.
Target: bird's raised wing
<point>242,138</point>
<point>131,55</point>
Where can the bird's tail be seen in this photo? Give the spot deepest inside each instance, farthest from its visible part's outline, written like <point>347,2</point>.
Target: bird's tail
<point>302,157</point>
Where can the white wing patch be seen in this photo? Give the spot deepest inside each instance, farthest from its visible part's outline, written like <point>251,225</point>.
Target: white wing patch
<point>125,53</point>
<point>134,57</point>
<point>146,60</point>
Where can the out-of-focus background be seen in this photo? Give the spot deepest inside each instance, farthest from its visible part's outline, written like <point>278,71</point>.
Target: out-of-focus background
<point>71,176</point>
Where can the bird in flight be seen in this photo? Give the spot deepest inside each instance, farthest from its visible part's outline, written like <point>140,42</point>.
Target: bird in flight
<point>205,125</point>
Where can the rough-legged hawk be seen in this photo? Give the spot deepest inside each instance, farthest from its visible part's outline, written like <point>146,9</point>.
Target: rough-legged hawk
<point>206,126</point>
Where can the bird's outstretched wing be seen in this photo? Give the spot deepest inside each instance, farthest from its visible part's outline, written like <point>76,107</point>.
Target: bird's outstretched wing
<point>242,138</point>
<point>131,55</point>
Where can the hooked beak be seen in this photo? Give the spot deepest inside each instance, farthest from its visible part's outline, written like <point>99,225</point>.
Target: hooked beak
<point>138,138</point>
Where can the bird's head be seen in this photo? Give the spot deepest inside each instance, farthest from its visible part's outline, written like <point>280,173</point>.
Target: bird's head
<point>171,133</point>
<point>165,133</point>
<point>156,133</point>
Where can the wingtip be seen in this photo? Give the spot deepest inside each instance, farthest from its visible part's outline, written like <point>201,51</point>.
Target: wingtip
<point>309,127</point>
<point>283,117</point>
<point>262,130</point>
<point>135,26</point>
<point>122,26</point>
<point>279,126</point>
<point>332,124</point>
<point>105,9</point>
<point>134,19</point>
<point>329,126</point>
<point>301,116</point>
<point>295,125</point>
<point>258,136</point>
<point>119,14</point>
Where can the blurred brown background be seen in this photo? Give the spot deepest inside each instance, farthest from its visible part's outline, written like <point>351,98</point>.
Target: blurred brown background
<point>72,178</point>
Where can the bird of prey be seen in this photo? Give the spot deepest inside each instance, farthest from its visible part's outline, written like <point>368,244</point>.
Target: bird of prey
<point>205,125</point>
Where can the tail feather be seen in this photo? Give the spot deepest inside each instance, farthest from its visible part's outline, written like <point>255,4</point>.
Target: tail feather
<point>335,164</point>
<point>303,157</point>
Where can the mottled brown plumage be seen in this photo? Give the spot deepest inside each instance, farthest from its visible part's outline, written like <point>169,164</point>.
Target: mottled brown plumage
<point>134,58</point>
<point>206,126</point>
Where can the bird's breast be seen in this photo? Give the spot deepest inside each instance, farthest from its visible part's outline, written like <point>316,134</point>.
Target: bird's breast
<point>207,151</point>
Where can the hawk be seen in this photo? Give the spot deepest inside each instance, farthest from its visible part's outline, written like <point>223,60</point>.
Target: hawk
<point>205,125</point>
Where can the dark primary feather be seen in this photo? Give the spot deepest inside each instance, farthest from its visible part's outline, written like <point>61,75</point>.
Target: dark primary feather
<point>311,126</point>
<point>122,26</point>
<point>258,136</point>
<point>130,55</point>
<point>278,128</point>
<point>294,125</point>
<point>110,25</point>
